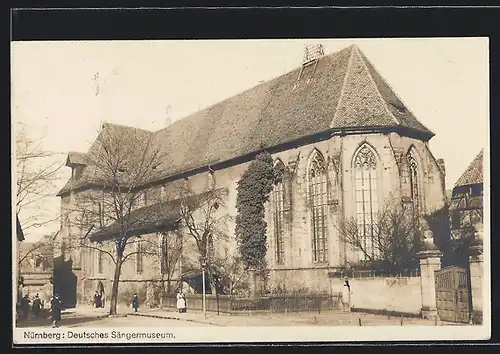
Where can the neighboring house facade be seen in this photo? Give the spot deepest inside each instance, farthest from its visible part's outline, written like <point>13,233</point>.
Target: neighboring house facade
<point>466,206</point>
<point>36,268</point>
<point>346,142</point>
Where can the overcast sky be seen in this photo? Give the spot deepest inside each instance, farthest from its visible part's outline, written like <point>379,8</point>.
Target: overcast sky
<point>69,88</point>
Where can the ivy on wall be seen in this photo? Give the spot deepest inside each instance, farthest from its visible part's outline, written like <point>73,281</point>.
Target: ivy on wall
<point>253,192</point>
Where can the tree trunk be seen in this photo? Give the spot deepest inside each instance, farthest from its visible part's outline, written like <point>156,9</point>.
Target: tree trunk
<point>213,289</point>
<point>114,289</point>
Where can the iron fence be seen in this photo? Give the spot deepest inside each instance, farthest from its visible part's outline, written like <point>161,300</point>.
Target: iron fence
<point>267,304</point>
<point>363,274</point>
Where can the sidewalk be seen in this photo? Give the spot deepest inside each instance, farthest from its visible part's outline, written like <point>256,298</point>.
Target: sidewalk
<point>79,314</point>
<point>330,318</point>
<point>88,310</point>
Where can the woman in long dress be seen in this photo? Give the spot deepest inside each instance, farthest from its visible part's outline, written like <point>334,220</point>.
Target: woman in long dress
<point>181,302</point>
<point>97,299</point>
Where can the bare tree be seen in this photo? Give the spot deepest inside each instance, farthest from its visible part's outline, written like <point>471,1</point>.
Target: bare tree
<point>392,240</point>
<point>170,255</point>
<point>37,171</point>
<point>204,218</point>
<point>114,215</point>
<point>38,246</point>
<point>230,276</point>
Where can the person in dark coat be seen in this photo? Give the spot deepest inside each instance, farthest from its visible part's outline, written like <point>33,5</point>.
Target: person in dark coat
<point>97,299</point>
<point>37,306</point>
<point>55,308</point>
<point>135,302</point>
<point>25,307</point>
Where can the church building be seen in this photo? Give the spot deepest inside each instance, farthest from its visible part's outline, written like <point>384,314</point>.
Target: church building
<point>346,142</point>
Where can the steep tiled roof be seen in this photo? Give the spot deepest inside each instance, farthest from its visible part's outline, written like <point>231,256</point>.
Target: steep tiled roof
<point>91,174</point>
<point>474,173</point>
<point>344,91</point>
<point>153,218</point>
<point>156,217</point>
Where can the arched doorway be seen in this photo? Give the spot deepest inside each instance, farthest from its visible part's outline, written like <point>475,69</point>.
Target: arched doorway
<point>101,291</point>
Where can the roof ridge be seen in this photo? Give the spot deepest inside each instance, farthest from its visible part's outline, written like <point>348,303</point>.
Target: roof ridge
<point>266,82</point>
<point>125,126</point>
<point>344,82</point>
<point>377,90</point>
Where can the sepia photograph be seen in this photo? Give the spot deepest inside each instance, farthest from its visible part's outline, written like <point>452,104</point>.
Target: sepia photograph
<point>184,191</point>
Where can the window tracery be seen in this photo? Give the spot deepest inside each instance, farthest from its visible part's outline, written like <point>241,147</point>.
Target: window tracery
<point>318,195</point>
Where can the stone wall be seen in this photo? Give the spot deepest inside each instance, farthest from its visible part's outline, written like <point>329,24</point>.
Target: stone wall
<point>38,283</point>
<point>382,294</point>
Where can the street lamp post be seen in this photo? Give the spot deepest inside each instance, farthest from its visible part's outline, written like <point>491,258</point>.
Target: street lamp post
<point>203,265</point>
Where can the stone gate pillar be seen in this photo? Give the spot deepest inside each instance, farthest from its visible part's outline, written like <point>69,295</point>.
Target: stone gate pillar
<point>430,261</point>
<point>476,274</point>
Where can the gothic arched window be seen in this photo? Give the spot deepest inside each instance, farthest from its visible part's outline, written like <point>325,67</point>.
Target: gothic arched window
<point>365,170</point>
<point>210,249</point>
<point>414,177</point>
<point>164,253</point>
<point>138,257</point>
<point>318,195</point>
<point>278,216</point>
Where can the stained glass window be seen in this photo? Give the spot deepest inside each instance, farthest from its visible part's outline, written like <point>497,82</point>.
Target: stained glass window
<point>365,166</point>
<point>318,195</point>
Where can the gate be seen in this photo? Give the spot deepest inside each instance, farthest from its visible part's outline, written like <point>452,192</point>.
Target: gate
<point>453,300</point>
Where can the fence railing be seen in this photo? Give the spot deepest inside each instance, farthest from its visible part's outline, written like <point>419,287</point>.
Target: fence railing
<point>273,304</point>
<point>360,274</point>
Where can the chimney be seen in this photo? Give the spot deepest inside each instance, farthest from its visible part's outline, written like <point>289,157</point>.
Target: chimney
<point>168,118</point>
<point>441,165</point>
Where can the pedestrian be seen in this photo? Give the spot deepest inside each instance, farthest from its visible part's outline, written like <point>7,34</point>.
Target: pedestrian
<point>97,299</point>
<point>346,296</point>
<point>37,306</point>
<point>181,302</point>
<point>55,308</point>
<point>25,307</point>
<point>135,302</point>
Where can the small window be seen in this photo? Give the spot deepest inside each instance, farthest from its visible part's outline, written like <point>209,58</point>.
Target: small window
<point>456,220</point>
<point>100,261</point>
<point>100,213</point>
